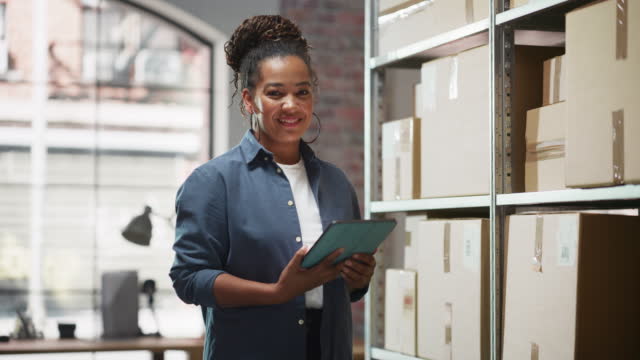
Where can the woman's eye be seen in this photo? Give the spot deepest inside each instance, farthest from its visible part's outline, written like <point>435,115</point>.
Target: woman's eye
<point>303,92</point>
<point>273,93</point>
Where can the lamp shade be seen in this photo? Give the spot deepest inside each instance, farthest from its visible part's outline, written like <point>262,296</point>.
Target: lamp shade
<point>138,230</point>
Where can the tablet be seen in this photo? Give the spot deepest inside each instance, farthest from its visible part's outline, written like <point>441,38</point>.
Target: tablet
<point>355,236</point>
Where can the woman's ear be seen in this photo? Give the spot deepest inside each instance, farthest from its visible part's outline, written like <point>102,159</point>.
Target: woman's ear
<point>247,101</point>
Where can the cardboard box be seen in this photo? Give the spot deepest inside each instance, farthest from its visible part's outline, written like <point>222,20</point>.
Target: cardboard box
<point>526,95</point>
<point>412,250</point>
<point>400,311</point>
<point>398,93</point>
<point>455,128</point>
<point>401,159</point>
<point>603,83</point>
<point>389,6</point>
<point>453,290</point>
<point>545,136</point>
<point>572,288</point>
<point>554,81</point>
<point>516,3</point>
<point>421,20</point>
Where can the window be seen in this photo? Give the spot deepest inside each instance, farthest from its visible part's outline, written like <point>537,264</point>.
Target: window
<point>4,47</point>
<point>127,116</point>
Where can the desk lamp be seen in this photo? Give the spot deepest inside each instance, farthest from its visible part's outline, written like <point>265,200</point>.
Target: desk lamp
<point>138,231</point>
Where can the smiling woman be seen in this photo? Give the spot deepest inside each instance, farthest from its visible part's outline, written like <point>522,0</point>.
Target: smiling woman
<point>283,106</point>
<point>246,219</point>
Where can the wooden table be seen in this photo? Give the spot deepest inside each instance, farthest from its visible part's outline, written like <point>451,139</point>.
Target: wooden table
<point>157,346</point>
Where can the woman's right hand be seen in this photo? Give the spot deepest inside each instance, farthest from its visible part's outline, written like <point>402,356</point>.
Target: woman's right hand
<point>296,280</point>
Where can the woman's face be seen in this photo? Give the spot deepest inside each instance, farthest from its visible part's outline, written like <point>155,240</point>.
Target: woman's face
<point>282,102</point>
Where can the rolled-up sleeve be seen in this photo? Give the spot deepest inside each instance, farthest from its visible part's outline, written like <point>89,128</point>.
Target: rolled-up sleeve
<point>201,245</point>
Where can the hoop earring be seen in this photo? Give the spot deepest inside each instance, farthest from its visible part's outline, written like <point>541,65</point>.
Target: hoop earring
<point>317,132</point>
<point>253,123</point>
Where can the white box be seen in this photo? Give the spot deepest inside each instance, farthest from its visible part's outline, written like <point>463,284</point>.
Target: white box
<point>455,128</point>
<point>400,311</point>
<point>453,290</point>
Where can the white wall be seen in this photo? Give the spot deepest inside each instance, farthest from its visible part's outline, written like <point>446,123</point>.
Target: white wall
<point>225,16</point>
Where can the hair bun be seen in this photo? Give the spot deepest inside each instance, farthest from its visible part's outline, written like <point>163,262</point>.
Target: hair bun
<point>257,30</point>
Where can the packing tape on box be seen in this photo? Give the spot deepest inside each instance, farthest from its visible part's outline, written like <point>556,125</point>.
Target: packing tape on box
<point>402,11</point>
<point>402,136</point>
<point>535,351</point>
<point>447,247</point>
<point>545,150</point>
<point>618,146</point>
<point>621,29</point>
<point>536,263</point>
<point>448,334</point>
<point>469,11</point>
<point>428,79</point>
<point>556,64</point>
<point>453,78</point>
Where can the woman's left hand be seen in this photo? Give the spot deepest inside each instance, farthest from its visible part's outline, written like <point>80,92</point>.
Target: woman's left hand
<point>357,271</point>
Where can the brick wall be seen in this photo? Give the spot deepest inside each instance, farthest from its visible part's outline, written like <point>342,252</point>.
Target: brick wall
<point>335,29</point>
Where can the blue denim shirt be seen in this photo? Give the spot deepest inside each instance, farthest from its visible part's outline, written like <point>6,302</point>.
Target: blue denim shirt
<point>235,214</point>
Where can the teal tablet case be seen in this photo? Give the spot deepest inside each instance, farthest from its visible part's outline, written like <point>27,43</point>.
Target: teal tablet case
<point>357,236</point>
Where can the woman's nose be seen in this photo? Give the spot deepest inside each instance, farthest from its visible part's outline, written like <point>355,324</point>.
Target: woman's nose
<point>288,103</point>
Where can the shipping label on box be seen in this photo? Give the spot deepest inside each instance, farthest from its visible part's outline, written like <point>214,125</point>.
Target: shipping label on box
<point>455,128</point>
<point>453,289</point>
<point>554,81</point>
<point>401,159</point>
<point>400,311</point>
<point>603,82</point>
<point>545,138</point>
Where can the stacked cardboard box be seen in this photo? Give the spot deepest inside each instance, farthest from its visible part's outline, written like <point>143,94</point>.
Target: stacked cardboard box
<point>545,137</point>
<point>572,287</point>
<point>400,311</point>
<point>455,127</point>
<point>453,300</point>
<point>401,159</point>
<point>401,23</point>
<point>603,82</point>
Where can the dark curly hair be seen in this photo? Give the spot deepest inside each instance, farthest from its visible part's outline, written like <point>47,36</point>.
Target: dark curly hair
<point>262,37</point>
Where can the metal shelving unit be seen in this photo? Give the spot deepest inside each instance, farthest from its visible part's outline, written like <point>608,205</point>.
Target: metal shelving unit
<point>539,23</point>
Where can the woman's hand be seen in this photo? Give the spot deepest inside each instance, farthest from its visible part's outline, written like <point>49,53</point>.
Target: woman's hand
<point>357,271</point>
<point>296,280</point>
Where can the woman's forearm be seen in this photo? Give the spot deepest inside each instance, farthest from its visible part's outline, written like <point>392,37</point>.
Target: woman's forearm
<point>232,291</point>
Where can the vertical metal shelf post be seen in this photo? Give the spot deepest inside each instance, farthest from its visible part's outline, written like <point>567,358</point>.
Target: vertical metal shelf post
<point>494,311</point>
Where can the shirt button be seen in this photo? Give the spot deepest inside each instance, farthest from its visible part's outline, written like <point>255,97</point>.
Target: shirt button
<point>300,322</point>
<point>290,203</point>
<point>298,238</point>
<point>266,158</point>
<point>278,170</point>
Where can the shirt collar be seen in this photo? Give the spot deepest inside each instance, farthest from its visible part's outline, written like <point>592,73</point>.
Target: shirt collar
<point>254,151</point>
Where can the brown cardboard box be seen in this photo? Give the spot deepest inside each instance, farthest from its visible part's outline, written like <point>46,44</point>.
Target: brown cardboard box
<point>577,295</point>
<point>526,95</point>
<point>398,93</point>
<point>455,129</point>
<point>516,3</point>
<point>389,6</point>
<point>554,82</point>
<point>400,312</point>
<point>453,290</point>
<point>401,159</point>
<point>603,83</point>
<point>421,20</point>
<point>546,132</point>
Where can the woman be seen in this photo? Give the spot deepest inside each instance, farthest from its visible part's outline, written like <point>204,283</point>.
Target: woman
<point>246,219</point>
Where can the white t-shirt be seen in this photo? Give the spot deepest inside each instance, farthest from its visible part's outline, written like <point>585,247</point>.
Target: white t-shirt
<point>308,215</point>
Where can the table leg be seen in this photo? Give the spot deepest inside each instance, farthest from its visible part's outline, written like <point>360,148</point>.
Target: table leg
<point>157,355</point>
<point>195,354</point>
